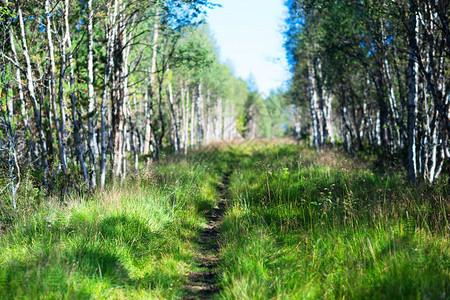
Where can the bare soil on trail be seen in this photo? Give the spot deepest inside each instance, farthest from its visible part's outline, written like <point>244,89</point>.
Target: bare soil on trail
<point>203,284</point>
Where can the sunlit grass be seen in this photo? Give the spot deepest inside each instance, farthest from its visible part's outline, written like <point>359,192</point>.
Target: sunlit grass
<point>133,242</point>
<point>301,226</point>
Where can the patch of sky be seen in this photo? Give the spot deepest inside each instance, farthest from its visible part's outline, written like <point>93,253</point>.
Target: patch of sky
<point>80,24</point>
<point>182,15</point>
<point>372,49</point>
<point>389,40</point>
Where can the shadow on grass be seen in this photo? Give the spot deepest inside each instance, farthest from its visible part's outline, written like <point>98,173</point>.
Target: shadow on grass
<point>77,263</point>
<point>402,266</point>
<point>405,280</point>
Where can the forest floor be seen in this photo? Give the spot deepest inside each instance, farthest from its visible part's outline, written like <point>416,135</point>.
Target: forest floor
<point>286,223</point>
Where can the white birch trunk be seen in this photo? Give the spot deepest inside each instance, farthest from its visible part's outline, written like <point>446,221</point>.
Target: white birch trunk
<point>329,117</point>
<point>186,121</point>
<point>59,118</point>
<point>313,98</point>
<point>13,166</point>
<point>174,118</point>
<point>193,122</point>
<point>124,43</point>
<point>183,117</point>
<point>76,124</point>
<point>148,129</point>
<point>412,91</point>
<point>199,112</point>
<point>110,37</point>
<point>23,111</point>
<point>31,90</point>
<point>91,100</point>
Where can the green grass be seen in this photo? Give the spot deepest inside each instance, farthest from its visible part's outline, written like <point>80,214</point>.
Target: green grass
<point>134,242</point>
<point>299,225</point>
<point>306,226</point>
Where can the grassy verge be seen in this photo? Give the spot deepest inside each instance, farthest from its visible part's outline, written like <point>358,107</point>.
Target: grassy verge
<point>134,242</point>
<point>304,225</point>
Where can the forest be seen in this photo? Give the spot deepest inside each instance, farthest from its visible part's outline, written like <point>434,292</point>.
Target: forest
<point>136,164</point>
<point>385,66</point>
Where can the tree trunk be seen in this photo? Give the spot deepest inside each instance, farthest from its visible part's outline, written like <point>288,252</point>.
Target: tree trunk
<point>110,38</point>
<point>174,119</point>
<point>192,127</point>
<point>93,149</point>
<point>76,124</point>
<point>8,124</point>
<point>151,90</point>
<point>59,118</point>
<point>199,115</point>
<point>412,91</point>
<point>32,94</point>
<point>23,105</point>
<point>313,107</point>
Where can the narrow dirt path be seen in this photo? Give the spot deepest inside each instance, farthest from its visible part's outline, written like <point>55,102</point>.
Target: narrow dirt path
<point>203,284</point>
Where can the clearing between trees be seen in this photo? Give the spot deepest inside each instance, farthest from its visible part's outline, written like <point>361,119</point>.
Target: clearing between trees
<point>297,224</point>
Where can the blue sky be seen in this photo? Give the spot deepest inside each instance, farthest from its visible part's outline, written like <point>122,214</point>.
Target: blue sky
<point>249,36</point>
